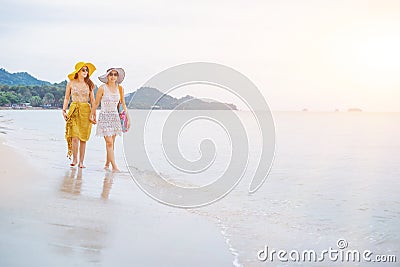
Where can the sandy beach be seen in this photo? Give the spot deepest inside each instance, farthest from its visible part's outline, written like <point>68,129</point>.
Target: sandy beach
<point>84,219</point>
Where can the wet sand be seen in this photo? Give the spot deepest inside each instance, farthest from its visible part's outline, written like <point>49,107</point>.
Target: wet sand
<point>75,217</point>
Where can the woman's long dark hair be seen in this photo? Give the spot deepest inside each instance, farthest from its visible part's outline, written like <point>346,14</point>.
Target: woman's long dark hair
<point>87,80</point>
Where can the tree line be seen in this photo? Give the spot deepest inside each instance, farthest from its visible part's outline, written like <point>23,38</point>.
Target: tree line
<point>36,95</point>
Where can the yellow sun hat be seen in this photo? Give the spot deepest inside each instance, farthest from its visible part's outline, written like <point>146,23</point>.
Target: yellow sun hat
<point>79,66</point>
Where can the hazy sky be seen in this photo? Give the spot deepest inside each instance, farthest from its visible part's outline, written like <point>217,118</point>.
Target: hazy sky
<point>319,55</point>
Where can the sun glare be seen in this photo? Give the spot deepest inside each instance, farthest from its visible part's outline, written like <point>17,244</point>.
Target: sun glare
<point>372,60</point>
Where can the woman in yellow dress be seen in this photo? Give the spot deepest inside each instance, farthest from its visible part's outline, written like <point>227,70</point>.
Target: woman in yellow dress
<point>78,124</point>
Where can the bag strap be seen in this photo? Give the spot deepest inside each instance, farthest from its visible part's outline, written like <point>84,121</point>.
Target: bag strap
<point>120,92</point>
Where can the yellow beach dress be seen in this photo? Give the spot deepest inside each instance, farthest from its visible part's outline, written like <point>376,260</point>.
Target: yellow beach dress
<point>78,123</point>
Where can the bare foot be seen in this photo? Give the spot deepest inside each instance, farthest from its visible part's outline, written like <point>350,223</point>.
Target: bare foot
<point>74,162</point>
<point>115,170</point>
<point>107,166</point>
<point>81,165</point>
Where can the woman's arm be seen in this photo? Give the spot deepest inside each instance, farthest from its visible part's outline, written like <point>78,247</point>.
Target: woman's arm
<point>128,122</point>
<point>123,101</point>
<point>99,95</point>
<point>66,99</point>
<point>92,97</point>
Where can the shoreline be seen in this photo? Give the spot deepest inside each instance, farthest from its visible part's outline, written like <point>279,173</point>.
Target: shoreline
<point>273,111</point>
<point>28,108</point>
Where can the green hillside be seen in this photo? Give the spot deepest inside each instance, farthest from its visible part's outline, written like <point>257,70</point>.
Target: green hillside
<point>19,78</point>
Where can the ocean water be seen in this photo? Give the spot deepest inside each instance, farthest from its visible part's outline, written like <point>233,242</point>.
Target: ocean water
<point>335,176</point>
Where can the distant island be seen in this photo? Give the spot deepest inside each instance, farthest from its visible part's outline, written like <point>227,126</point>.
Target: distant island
<point>146,97</point>
<point>337,110</point>
<point>21,90</point>
<point>354,110</point>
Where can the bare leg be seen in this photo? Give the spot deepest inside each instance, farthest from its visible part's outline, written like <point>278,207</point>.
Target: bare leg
<point>113,137</point>
<point>107,165</point>
<point>110,152</point>
<point>116,168</point>
<point>82,149</point>
<point>75,144</point>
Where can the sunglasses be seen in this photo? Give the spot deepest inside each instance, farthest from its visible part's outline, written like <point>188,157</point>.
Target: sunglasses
<point>113,74</point>
<point>84,70</point>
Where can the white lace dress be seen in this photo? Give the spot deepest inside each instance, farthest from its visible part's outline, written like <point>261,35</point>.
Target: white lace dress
<point>108,122</point>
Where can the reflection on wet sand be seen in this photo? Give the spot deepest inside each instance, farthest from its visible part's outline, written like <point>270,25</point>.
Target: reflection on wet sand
<point>72,184</point>
<point>82,234</point>
<point>107,184</point>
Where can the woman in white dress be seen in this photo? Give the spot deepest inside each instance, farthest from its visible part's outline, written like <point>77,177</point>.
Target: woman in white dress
<point>109,123</point>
